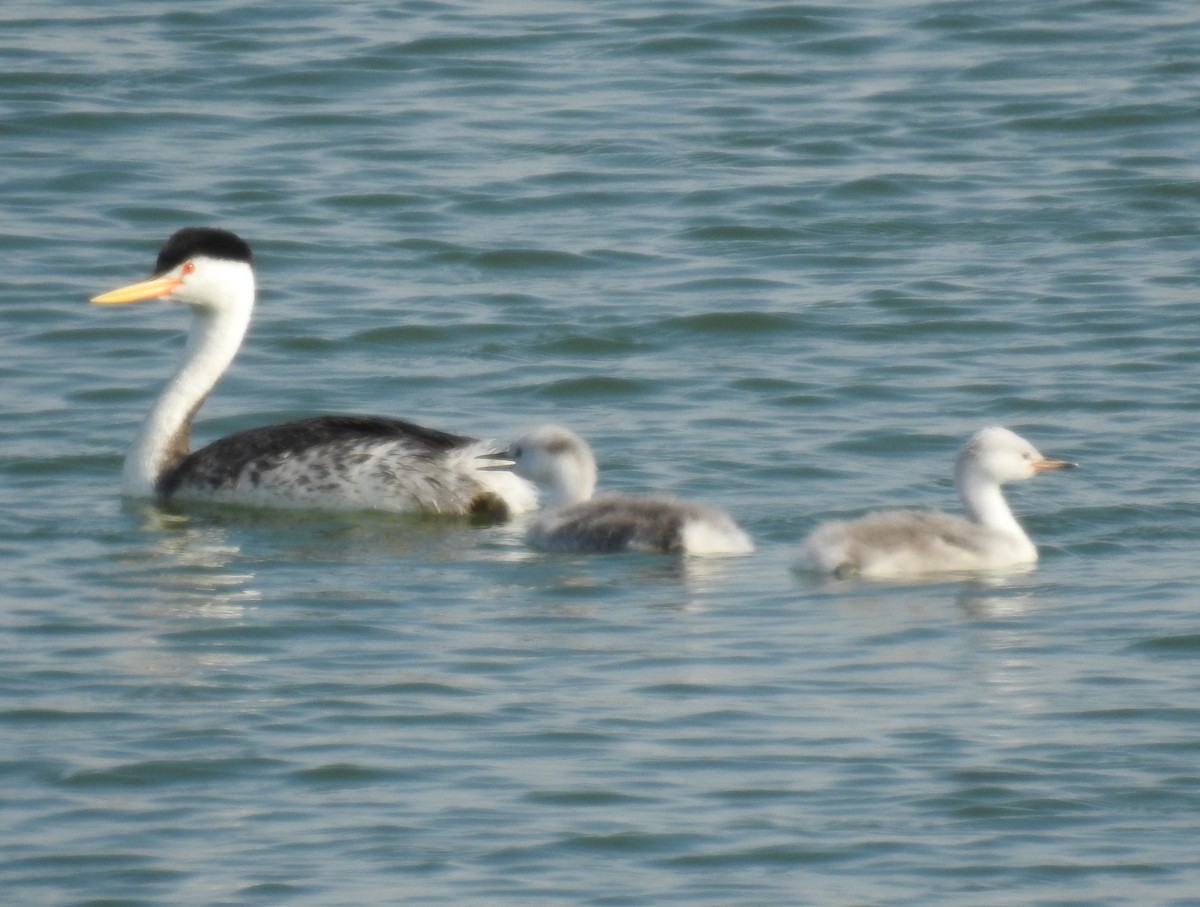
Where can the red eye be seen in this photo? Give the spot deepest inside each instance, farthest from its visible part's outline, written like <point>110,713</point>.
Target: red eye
<point>188,268</point>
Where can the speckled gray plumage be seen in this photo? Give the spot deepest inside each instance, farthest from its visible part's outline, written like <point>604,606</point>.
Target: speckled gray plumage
<point>924,535</point>
<point>402,465</point>
<point>653,523</point>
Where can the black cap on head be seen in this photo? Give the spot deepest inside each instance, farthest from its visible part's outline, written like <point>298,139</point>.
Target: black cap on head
<point>192,241</point>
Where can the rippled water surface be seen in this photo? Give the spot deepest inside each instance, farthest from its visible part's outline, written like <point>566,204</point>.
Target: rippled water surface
<point>779,257</point>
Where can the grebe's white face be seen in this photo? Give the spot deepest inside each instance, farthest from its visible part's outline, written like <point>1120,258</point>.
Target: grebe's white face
<point>212,283</point>
<point>209,284</point>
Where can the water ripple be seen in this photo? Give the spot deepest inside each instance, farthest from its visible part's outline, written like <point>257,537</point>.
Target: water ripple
<point>779,257</point>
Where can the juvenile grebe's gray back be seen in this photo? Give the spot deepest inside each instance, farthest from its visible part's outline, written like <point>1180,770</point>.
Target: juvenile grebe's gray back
<point>327,462</point>
<point>575,521</point>
<point>897,543</point>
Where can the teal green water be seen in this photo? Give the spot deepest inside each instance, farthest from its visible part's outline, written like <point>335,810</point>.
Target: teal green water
<point>779,257</point>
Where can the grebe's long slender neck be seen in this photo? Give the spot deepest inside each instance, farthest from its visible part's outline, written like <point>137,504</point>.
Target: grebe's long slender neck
<point>163,440</point>
<point>572,475</point>
<point>983,499</point>
<point>568,492</point>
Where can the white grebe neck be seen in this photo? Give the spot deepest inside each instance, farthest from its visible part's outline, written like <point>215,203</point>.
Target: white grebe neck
<point>985,504</point>
<point>572,482</point>
<point>221,304</point>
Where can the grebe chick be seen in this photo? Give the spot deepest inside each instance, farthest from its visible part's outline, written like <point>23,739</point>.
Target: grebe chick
<point>575,521</point>
<point>897,543</point>
<point>328,462</point>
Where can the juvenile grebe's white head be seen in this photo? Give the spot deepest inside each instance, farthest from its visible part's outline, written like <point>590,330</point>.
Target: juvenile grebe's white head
<point>998,456</point>
<point>993,457</point>
<point>558,458</point>
<point>209,269</point>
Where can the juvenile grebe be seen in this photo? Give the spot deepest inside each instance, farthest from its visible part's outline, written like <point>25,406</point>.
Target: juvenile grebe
<point>575,521</point>
<point>896,543</point>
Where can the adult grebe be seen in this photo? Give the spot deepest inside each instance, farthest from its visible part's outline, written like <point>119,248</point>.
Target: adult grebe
<point>575,521</point>
<point>899,543</point>
<point>328,462</point>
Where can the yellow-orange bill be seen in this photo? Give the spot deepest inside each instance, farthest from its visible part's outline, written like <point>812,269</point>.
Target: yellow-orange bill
<point>154,288</point>
<point>1043,465</point>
